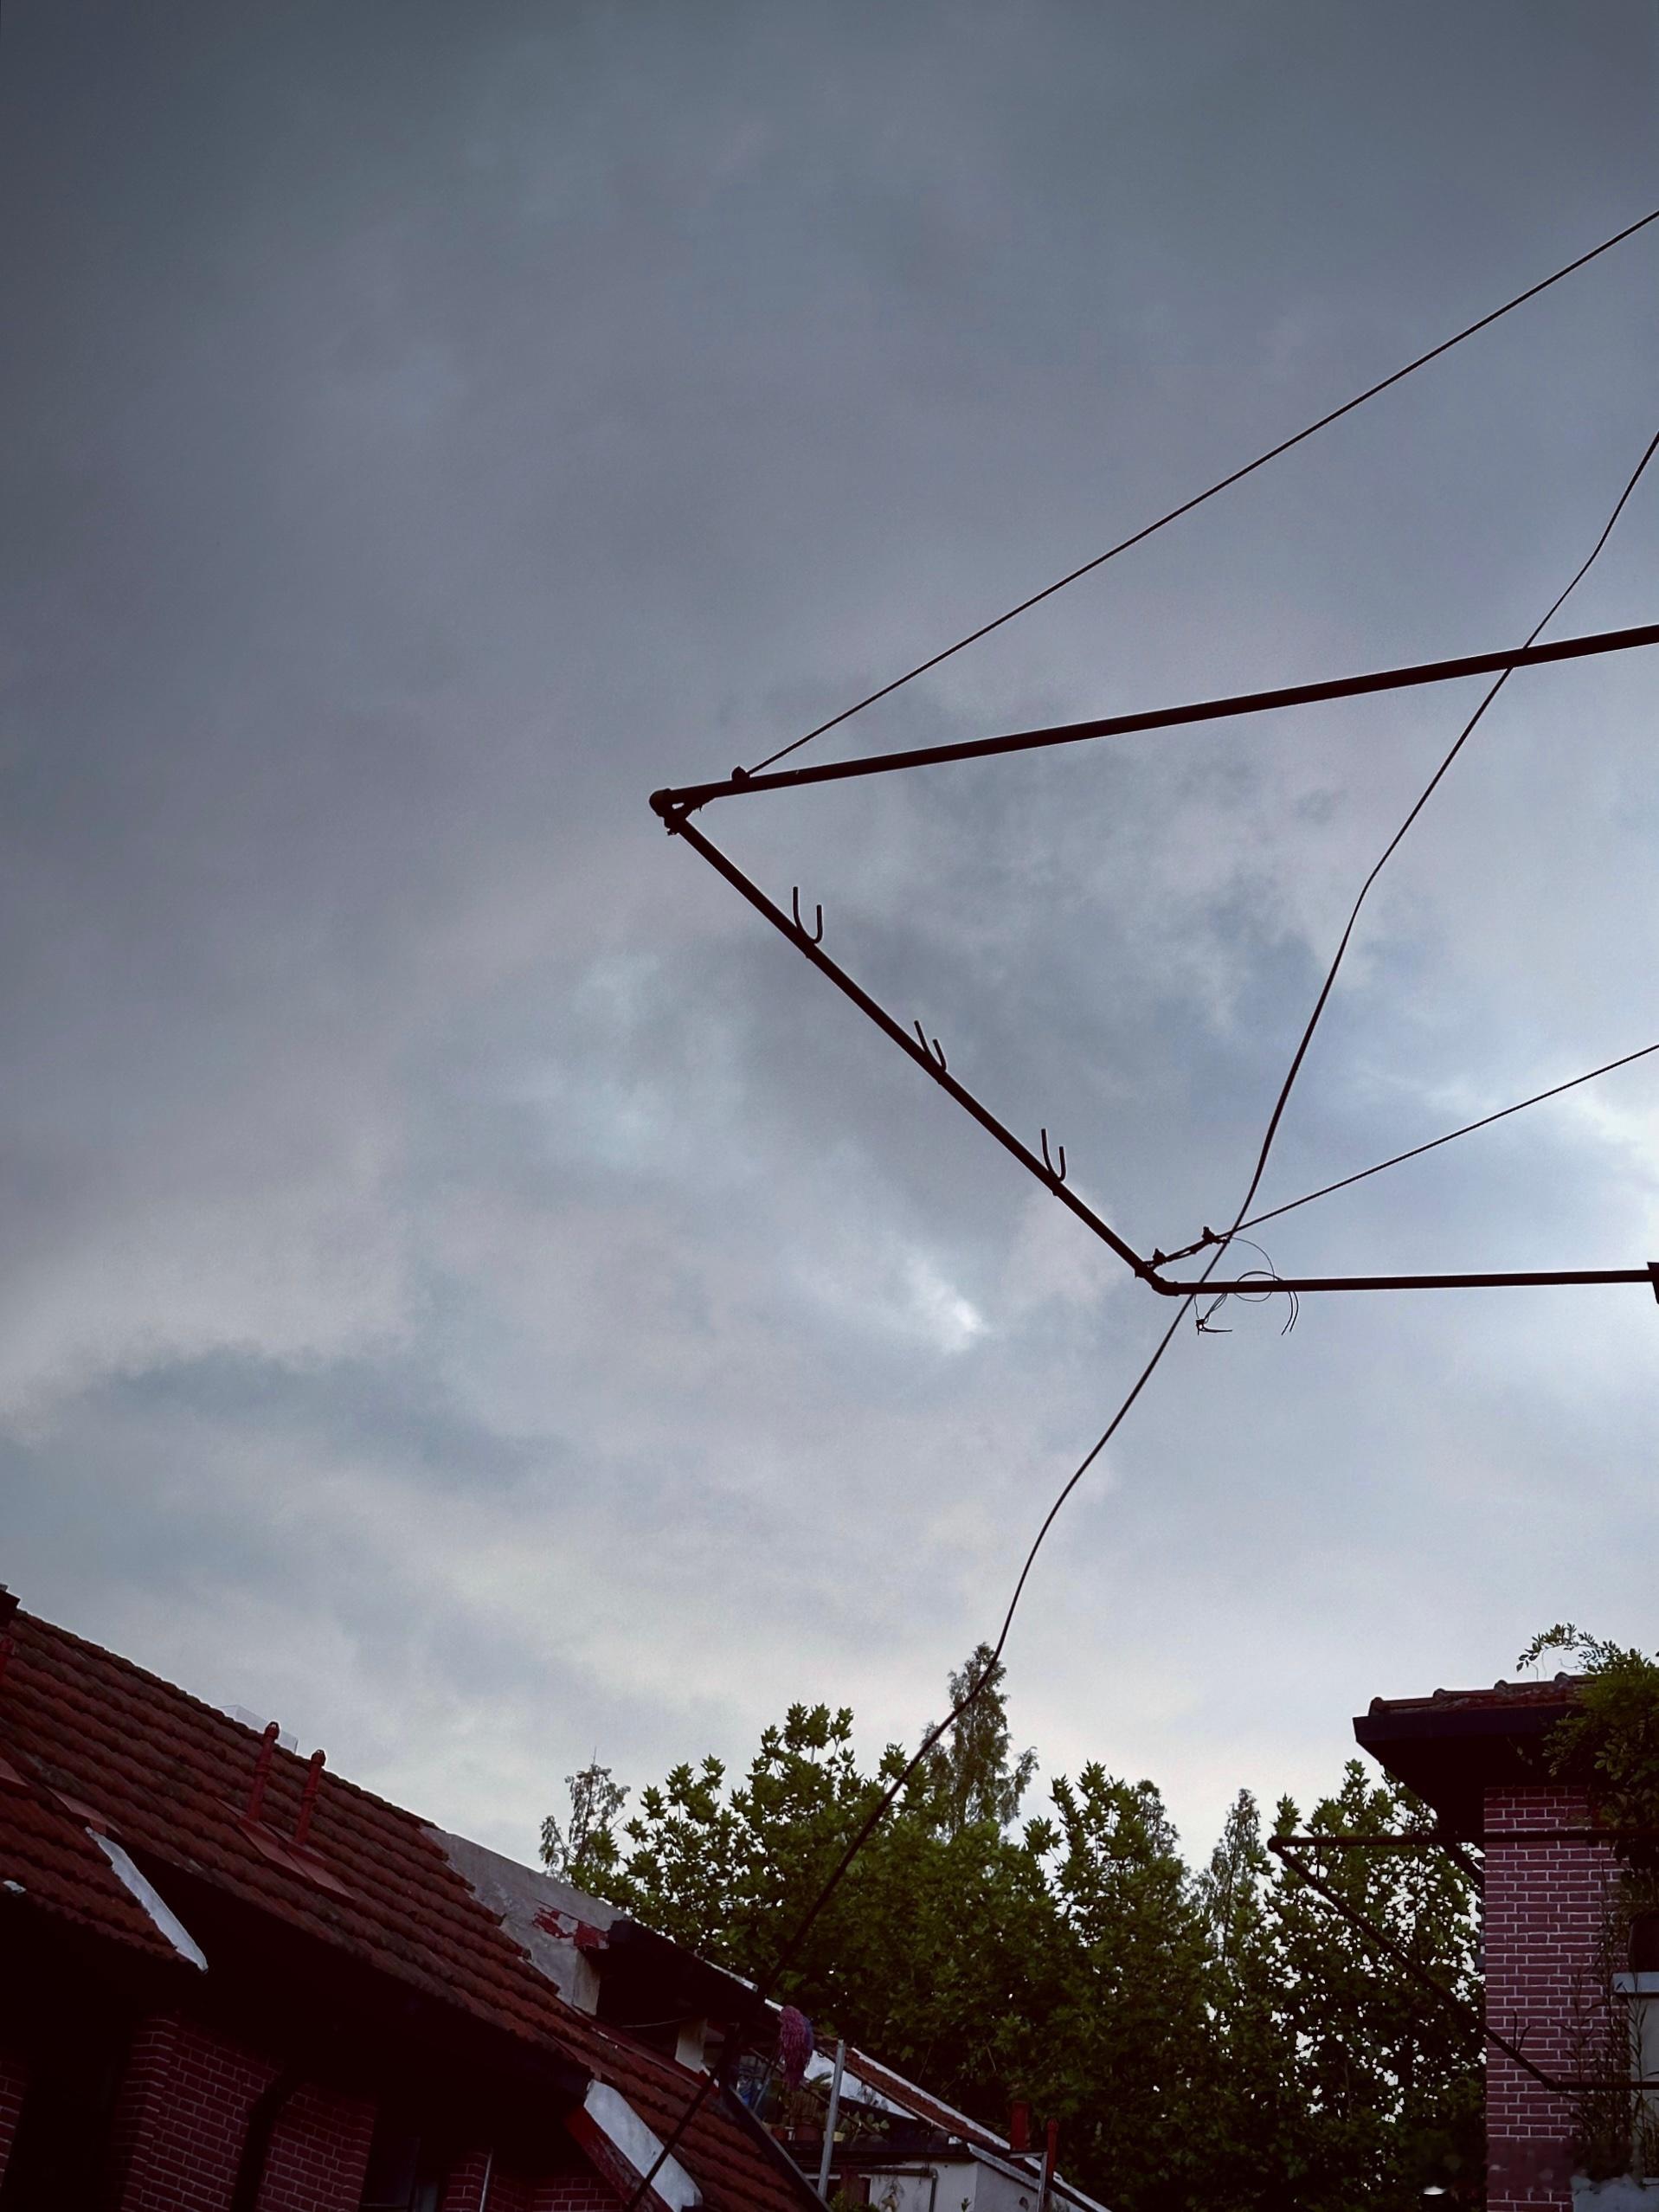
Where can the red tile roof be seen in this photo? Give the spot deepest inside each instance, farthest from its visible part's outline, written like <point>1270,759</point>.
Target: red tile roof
<point>47,1858</point>
<point>169,1777</point>
<point>1557,1689</point>
<point>1453,1745</point>
<point>945,2118</point>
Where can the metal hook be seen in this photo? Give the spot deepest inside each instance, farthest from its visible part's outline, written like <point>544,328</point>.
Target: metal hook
<point>936,1051</point>
<point>1058,1173</point>
<point>817,937</point>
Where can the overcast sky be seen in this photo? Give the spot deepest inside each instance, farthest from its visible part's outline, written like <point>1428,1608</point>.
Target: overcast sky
<point>470,1290</point>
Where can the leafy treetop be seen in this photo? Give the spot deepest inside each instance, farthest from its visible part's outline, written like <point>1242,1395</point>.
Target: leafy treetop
<point>1217,2039</point>
<point>1611,1737</point>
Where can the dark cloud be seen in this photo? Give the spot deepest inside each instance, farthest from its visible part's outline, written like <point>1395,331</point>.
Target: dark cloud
<point>471,1290</point>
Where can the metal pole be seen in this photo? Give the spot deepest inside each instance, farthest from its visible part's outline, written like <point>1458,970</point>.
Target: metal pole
<point>743,784</point>
<point>1284,1847</point>
<point>932,1063</point>
<point>830,2118</point>
<point>1533,1278</point>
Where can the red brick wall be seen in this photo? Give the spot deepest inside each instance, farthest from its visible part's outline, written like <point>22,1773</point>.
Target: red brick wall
<point>318,2153</point>
<point>13,2076</point>
<point>182,2119</point>
<point>183,2112</point>
<point>511,2191</point>
<point>1544,1909</point>
<point>574,2193</point>
<point>463,2186</point>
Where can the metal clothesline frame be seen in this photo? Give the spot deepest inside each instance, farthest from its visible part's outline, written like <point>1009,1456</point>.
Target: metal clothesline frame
<point>675,806</point>
<point>1561,2085</point>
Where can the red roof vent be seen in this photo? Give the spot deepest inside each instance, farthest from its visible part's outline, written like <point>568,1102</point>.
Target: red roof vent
<point>308,1803</point>
<point>256,1804</point>
<point>293,1853</point>
<point>297,1858</point>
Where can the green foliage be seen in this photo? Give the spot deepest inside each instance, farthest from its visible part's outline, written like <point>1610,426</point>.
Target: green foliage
<point>951,1960</point>
<point>1609,1744</point>
<point>969,1777</point>
<point>1257,2125</point>
<point>1384,2082</point>
<point>1611,1740</point>
<point>585,1845</point>
<point>723,1872</point>
<point>1139,2011</point>
<point>1219,2039</point>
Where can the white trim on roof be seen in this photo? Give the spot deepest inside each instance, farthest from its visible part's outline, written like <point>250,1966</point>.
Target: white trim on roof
<point>616,2119</point>
<point>153,1901</point>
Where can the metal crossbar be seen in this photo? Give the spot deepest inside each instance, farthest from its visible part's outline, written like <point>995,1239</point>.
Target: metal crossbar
<point>1286,1847</point>
<point>675,806</point>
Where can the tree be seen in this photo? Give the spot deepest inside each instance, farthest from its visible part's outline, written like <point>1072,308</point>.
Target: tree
<point>1254,2117</point>
<point>1611,1736</point>
<point>1231,1888</point>
<point>727,1872</point>
<point>1386,2081</point>
<point>1139,2023</point>
<point>585,1846</point>
<point>1222,2040</point>
<point>943,1950</point>
<point>969,1776</point>
<point>957,1967</point>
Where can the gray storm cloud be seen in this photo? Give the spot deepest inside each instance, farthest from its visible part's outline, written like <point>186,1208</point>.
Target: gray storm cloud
<point>468,1289</point>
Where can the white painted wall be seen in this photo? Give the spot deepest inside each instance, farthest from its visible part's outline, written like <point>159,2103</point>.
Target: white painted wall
<point>964,2185</point>
<point>913,2192</point>
<point>1000,2192</point>
<point>1621,2196</point>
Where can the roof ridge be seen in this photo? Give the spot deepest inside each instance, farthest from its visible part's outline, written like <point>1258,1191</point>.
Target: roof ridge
<point>168,1769</point>
<point>333,1776</point>
<point>862,2058</point>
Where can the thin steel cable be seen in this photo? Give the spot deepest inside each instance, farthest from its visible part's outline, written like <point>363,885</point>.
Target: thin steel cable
<point>1223,484</point>
<point>895,1789</point>
<point>1398,1160</point>
<point>890,1797</point>
<point>1394,842</point>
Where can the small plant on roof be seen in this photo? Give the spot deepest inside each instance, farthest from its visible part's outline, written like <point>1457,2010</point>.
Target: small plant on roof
<point>1610,1739</point>
<point>1610,1742</point>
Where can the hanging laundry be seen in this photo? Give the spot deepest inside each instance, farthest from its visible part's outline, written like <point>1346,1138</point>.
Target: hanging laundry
<point>794,2045</point>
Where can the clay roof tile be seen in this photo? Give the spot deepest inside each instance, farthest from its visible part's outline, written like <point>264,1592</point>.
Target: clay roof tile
<point>170,1774</point>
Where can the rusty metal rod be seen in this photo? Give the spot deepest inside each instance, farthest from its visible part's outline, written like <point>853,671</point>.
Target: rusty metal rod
<point>741,784</point>
<point>1254,1285</point>
<point>909,1042</point>
<point>1283,1846</point>
<point>675,817</point>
